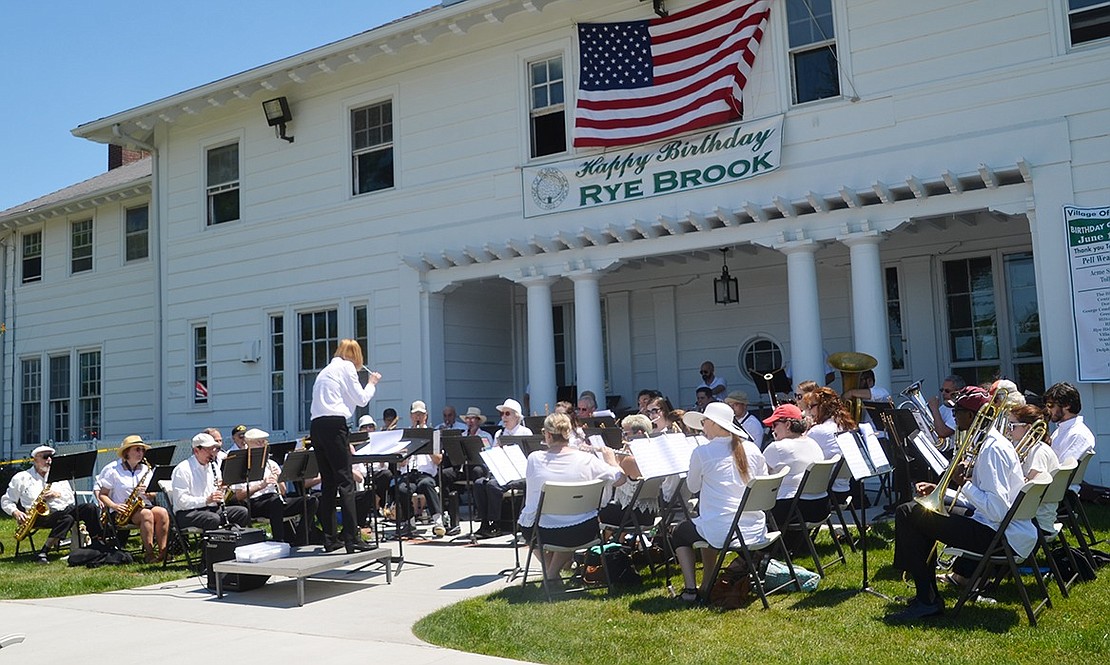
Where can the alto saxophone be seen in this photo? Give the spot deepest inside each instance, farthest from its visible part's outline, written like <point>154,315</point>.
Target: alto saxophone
<point>134,501</point>
<point>37,508</point>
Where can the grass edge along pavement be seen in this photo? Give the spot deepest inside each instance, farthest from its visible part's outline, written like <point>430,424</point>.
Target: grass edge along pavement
<point>835,624</point>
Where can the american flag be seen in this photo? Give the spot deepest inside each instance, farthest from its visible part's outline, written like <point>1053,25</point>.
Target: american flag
<point>200,392</point>
<point>645,80</point>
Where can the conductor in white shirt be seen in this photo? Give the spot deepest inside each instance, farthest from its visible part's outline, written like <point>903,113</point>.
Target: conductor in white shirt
<point>335,395</point>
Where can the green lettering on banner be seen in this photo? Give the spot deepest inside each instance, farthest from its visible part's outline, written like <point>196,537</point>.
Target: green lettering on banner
<point>733,173</point>
<point>665,181</point>
<point>714,173</point>
<point>691,178</point>
<point>589,192</point>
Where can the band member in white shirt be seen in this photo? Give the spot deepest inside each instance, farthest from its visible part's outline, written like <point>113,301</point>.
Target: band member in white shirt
<point>1072,437</point>
<point>27,486</point>
<point>266,497</point>
<point>198,490</point>
<point>488,493</point>
<point>126,479</point>
<point>335,395</point>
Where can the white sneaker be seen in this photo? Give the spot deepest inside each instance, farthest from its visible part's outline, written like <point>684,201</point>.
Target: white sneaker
<point>437,525</point>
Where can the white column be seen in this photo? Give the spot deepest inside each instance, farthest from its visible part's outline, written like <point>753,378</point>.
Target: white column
<point>589,354</point>
<point>869,324</point>
<point>807,357</point>
<point>541,344</point>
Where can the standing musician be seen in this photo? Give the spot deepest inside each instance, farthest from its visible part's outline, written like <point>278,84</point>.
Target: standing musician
<point>335,395</point>
<point>198,491</point>
<point>121,487</point>
<point>266,497</point>
<point>986,497</point>
<point>33,484</point>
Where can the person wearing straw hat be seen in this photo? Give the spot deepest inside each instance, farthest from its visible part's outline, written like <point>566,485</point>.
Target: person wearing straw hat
<point>125,479</point>
<point>474,420</point>
<point>26,486</point>
<point>719,470</point>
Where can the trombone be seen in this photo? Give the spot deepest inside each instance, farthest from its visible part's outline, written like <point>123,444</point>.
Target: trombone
<point>1036,433</point>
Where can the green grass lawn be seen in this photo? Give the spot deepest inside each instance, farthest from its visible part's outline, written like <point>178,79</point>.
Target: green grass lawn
<point>835,624</point>
<point>23,578</point>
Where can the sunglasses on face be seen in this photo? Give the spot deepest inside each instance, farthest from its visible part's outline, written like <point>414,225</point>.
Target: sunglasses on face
<point>655,410</point>
<point>507,414</point>
<point>48,455</point>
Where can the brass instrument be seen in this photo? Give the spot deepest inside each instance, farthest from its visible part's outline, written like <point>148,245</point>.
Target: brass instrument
<point>38,508</point>
<point>916,402</point>
<point>972,440</point>
<point>135,501</point>
<point>851,364</point>
<point>1035,435</point>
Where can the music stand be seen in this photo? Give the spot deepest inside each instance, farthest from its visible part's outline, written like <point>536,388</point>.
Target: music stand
<point>528,443</point>
<point>610,436</point>
<point>863,462</point>
<point>160,456</point>
<point>534,423</point>
<point>71,467</point>
<point>419,442</point>
<point>300,465</point>
<point>244,465</point>
<point>278,451</point>
<point>599,421</point>
<point>468,449</point>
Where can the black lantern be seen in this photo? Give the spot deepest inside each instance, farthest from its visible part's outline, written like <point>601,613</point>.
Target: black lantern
<point>277,114</point>
<point>726,289</point>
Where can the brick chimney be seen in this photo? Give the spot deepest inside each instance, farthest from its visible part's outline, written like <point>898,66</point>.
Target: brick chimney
<point>119,156</point>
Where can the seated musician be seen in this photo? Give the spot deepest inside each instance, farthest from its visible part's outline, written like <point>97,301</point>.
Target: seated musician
<point>266,498</point>
<point>121,486</point>
<point>32,484</point>
<point>867,389</point>
<point>664,417</point>
<point>418,477</point>
<point>985,498</point>
<point>633,426</point>
<point>198,491</point>
<point>1037,459</point>
<point>381,477</point>
<point>830,416</point>
<point>738,400</point>
<point>488,493</point>
<point>793,450</point>
<point>562,463</point>
<point>719,471</point>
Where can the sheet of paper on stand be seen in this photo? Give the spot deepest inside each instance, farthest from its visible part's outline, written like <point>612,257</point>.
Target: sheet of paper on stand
<point>506,463</point>
<point>384,443</point>
<point>664,455</point>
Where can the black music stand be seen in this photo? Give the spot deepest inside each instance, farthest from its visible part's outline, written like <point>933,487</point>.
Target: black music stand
<point>611,436</point>
<point>600,421</point>
<point>528,443</point>
<point>420,442</point>
<point>861,475</point>
<point>778,383</point>
<point>877,411</point>
<point>468,449</point>
<point>160,456</point>
<point>534,423</point>
<point>300,465</point>
<point>901,426</point>
<point>70,467</point>
<point>278,451</point>
<point>244,465</point>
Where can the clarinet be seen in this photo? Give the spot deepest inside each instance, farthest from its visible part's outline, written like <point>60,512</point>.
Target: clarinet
<point>223,508</point>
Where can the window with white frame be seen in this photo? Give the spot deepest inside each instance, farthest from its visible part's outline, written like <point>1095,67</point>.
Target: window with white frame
<point>812,40</point>
<point>222,183</point>
<point>894,320</point>
<point>136,233</point>
<point>30,410</point>
<point>60,398</point>
<point>88,394</point>
<point>200,364</point>
<point>319,337</point>
<point>547,107</point>
<point>31,259</point>
<point>81,246</point>
<point>362,336</point>
<point>277,372</point>
<point>1088,20</point>
<point>372,147</point>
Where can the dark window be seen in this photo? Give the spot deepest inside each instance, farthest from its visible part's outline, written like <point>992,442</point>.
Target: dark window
<point>81,257</point>
<point>32,257</point>
<point>1088,20</point>
<point>372,147</point>
<point>547,107</point>
<point>137,233</point>
<point>223,184</point>
<point>812,38</point>
<point>30,412</point>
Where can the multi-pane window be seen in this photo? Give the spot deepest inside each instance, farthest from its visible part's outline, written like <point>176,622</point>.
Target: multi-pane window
<point>222,184</point>
<point>88,394</point>
<point>1025,322</point>
<point>59,398</point>
<point>894,321</point>
<point>759,357</point>
<point>31,260</point>
<point>30,411</point>
<point>136,233</point>
<point>812,40</point>
<point>200,364</point>
<point>1088,20</point>
<point>319,337</point>
<point>972,321</point>
<point>277,372</point>
<point>81,246</point>
<point>372,147</point>
<point>547,107</point>
<point>362,336</point>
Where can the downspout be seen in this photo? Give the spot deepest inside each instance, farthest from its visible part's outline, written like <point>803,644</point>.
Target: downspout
<point>156,247</point>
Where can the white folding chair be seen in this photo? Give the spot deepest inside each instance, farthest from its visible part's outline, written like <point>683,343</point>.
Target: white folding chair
<point>184,537</point>
<point>1053,496</point>
<point>558,498</point>
<point>648,489</point>
<point>814,485</point>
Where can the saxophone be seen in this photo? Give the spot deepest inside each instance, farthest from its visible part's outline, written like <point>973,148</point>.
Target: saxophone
<point>134,501</point>
<point>37,508</point>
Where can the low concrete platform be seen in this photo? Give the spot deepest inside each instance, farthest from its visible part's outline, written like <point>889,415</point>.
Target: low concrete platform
<point>303,563</point>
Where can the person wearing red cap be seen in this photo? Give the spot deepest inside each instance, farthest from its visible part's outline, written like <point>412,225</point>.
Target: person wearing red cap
<point>985,498</point>
<point>793,450</point>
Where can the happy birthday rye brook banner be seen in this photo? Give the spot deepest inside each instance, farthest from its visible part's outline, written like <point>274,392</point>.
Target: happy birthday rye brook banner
<point>1089,258</point>
<point>729,153</point>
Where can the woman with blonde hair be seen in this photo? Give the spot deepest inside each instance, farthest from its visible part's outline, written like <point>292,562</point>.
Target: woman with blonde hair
<point>335,395</point>
<point>562,463</point>
<point>720,471</point>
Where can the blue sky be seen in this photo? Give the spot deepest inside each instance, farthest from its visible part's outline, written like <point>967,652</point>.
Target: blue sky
<point>66,62</point>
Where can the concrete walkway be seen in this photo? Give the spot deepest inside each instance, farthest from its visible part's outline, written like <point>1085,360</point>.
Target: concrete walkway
<point>355,617</point>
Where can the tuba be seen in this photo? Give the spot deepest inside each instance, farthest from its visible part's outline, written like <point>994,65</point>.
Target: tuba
<point>38,508</point>
<point>851,364</point>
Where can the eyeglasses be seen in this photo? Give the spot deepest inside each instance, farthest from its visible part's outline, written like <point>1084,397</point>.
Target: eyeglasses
<point>47,455</point>
<point>947,390</point>
<point>507,413</point>
<point>655,410</point>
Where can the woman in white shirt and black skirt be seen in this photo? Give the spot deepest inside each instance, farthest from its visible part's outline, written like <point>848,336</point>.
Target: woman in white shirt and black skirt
<point>335,395</point>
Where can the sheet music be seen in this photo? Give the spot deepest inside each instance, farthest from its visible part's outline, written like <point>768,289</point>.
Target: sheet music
<point>506,463</point>
<point>862,452</point>
<point>663,455</point>
<point>388,442</point>
<point>933,457</point>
